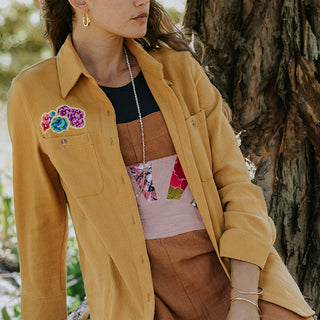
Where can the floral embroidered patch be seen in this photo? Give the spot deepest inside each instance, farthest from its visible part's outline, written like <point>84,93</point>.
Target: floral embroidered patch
<point>62,119</point>
<point>148,187</point>
<point>178,182</point>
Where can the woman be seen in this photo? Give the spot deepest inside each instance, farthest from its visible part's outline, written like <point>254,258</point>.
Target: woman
<point>130,135</point>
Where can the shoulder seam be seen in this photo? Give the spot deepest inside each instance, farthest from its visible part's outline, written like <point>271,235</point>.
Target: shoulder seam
<point>35,65</point>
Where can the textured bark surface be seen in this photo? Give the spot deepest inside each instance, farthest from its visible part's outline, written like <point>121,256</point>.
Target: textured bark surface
<point>263,56</point>
<point>81,313</point>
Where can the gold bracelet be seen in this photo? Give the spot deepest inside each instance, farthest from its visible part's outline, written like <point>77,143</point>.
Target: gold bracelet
<point>246,300</point>
<point>259,293</point>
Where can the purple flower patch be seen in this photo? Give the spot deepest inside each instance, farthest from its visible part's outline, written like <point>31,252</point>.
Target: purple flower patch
<point>77,113</point>
<point>76,117</point>
<point>63,111</point>
<point>77,123</point>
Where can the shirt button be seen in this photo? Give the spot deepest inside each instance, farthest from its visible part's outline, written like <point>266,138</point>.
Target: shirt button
<point>63,142</point>
<point>193,122</point>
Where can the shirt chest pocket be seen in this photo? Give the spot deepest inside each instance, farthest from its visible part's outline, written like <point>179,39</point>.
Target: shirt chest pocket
<point>74,158</point>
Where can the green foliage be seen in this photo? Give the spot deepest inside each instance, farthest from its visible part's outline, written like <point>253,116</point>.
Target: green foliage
<point>21,41</point>
<point>4,313</point>
<point>76,303</point>
<point>16,313</point>
<point>75,285</point>
<point>8,236</point>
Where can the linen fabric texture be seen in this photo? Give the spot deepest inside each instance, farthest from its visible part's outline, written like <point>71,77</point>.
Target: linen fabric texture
<point>84,168</point>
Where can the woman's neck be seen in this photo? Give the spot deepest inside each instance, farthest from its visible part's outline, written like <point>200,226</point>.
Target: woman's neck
<point>103,56</point>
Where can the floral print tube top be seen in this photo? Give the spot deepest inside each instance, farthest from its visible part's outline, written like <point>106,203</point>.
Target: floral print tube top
<point>166,204</point>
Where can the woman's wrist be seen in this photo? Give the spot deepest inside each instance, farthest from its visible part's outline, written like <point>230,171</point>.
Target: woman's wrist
<point>240,295</point>
<point>245,281</point>
<point>249,303</point>
<point>244,309</point>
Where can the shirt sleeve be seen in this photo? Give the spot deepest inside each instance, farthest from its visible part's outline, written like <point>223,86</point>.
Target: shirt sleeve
<point>249,232</point>
<point>41,216</point>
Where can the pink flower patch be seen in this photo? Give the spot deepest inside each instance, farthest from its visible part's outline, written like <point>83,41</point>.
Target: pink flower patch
<point>45,126</point>
<point>46,118</point>
<point>178,182</point>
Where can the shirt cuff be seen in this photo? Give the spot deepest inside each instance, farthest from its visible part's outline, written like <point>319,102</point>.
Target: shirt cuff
<point>236,244</point>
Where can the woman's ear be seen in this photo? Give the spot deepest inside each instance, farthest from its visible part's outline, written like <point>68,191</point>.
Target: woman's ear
<point>80,5</point>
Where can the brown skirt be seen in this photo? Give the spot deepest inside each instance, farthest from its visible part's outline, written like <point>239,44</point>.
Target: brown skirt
<point>190,284</point>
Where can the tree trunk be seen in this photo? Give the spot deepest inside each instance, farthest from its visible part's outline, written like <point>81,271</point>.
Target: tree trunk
<point>263,57</point>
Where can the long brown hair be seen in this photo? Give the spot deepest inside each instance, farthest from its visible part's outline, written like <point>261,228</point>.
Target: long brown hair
<point>161,32</point>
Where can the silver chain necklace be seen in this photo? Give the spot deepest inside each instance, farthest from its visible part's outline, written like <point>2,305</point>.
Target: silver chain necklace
<point>141,123</point>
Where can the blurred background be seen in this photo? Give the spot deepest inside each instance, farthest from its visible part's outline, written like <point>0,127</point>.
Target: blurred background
<point>21,45</point>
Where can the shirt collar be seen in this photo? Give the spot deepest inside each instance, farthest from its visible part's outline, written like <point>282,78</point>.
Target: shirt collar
<point>70,66</point>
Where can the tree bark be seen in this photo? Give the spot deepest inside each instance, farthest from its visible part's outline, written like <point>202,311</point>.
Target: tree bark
<point>81,313</point>
<point>263,56</point>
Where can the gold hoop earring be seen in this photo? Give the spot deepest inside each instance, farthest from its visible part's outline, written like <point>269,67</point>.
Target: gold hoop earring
<point>85,20</point>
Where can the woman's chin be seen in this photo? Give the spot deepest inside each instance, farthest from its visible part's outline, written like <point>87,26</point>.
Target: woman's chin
<point>136,30</point>
<point>137,34</point>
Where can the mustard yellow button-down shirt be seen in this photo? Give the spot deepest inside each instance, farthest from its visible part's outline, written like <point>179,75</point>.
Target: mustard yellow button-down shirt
<point>60,161</point>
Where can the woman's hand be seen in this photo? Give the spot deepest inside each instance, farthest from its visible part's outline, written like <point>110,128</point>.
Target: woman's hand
<point>242,310</point>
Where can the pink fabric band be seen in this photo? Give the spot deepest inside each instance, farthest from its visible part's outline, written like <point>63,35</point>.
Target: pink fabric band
<point>166,217</point>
